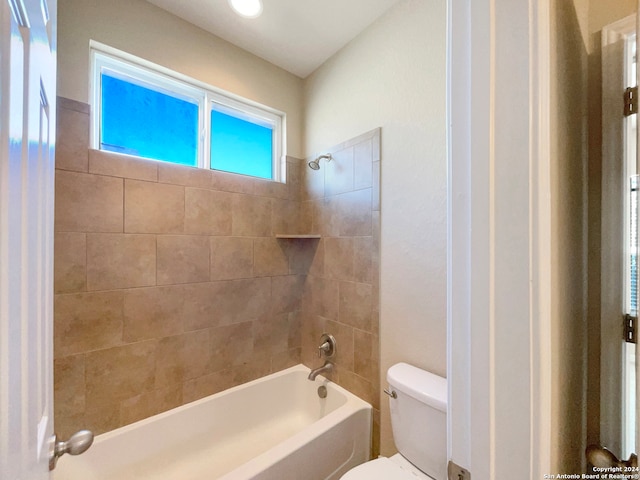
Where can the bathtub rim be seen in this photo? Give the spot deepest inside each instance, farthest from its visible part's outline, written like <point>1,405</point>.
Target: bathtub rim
<point>353,402</point>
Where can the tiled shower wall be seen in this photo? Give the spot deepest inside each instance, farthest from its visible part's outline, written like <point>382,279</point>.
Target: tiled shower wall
<point>170,284</point>
<point>341,202</point>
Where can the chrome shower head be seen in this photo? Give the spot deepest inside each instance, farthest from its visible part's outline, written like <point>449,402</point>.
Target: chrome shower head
<point>315,164</point>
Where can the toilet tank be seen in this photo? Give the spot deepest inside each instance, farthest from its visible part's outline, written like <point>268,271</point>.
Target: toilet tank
<point>419,418</point>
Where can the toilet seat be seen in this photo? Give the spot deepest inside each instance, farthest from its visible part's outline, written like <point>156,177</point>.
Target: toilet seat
<point>384,468</point>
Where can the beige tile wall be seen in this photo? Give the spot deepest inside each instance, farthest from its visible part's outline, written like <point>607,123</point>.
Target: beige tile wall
<point>341,203</point>
<point>170,284</point>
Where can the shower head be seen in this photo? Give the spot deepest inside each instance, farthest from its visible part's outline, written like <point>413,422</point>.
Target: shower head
<point>315,164</point>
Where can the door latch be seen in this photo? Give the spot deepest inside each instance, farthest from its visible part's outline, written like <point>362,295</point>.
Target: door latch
<point>456,472</point>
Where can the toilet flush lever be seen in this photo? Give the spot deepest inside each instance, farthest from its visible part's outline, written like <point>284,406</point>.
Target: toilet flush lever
<point>391,393</point>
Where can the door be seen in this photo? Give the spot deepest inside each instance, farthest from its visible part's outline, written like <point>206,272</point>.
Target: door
<point>619,297</point>
<point>27,133</point>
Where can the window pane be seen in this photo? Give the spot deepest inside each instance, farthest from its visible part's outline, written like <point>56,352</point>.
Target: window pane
<point>240,146</point>
<point>147,123</point>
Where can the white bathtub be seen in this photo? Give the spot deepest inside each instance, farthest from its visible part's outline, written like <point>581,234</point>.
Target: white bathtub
<point>274,428</point>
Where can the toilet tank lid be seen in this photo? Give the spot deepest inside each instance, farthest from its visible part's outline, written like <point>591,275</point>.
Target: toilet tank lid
<point>424,386</point>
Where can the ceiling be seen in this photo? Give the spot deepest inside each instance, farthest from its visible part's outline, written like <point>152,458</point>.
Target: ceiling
<point>296,35</point>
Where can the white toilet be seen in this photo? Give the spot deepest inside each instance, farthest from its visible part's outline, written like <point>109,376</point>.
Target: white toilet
<point>419,421</point>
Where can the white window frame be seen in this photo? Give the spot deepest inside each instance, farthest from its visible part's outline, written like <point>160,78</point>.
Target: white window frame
<point>259,116</point>
<point>148,74</point>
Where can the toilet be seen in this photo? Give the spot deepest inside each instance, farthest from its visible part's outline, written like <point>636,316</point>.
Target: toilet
<point>418,403</point>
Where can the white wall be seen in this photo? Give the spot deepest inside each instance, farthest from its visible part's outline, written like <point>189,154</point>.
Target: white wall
<point>140,28</point>
<point>393,76</point>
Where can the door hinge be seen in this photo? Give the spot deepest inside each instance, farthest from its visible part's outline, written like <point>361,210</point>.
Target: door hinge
<point>630,101</point>
<point>630,329</point>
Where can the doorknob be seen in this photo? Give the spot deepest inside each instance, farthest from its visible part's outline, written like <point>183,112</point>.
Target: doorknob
<point>599,456</point>
<point>78,443</point>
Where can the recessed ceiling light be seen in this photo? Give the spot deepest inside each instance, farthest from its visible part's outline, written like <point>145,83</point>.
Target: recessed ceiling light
<point>247,8</point>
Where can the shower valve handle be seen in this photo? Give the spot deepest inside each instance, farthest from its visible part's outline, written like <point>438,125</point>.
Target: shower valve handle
<point>324,348</point>
<point>327,346</point>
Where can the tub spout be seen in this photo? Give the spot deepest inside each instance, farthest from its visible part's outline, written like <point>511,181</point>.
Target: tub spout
<point>327,367</point>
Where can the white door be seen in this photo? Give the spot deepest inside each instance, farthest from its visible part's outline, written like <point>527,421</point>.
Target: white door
<point>27,134</point>
<point>618,250</point>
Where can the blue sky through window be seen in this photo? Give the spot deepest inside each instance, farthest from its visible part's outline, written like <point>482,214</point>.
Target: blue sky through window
<point>143,122</point>
<point>240,146</point>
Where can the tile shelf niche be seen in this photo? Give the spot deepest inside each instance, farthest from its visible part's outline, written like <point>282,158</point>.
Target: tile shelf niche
<point>294,237</point>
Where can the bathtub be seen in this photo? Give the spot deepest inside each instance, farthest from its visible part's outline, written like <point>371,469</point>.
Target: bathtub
<point>273,428</point>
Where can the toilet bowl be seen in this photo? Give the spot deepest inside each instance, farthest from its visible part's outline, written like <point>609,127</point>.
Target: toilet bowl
<point>383,468</point>
<point>418,404</point>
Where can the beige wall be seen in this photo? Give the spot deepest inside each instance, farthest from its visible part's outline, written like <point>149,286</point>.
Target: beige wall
<point>604,12</point>
<point>569,163</point>
<point>593,15</point>
<point>393,76</point>
<point>142,29</point>
<point>581,8</point>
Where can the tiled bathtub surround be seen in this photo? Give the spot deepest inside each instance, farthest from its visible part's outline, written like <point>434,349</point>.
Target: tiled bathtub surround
<point>170,284</point>
<point>341,203</point>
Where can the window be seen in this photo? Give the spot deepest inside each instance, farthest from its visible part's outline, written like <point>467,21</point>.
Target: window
<point>148,111</point>
<point>241,143</point>
<point>143,121</point>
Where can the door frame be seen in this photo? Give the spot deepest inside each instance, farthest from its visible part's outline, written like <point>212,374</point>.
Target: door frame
<point>612,302</point>
<point>498,316</point>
